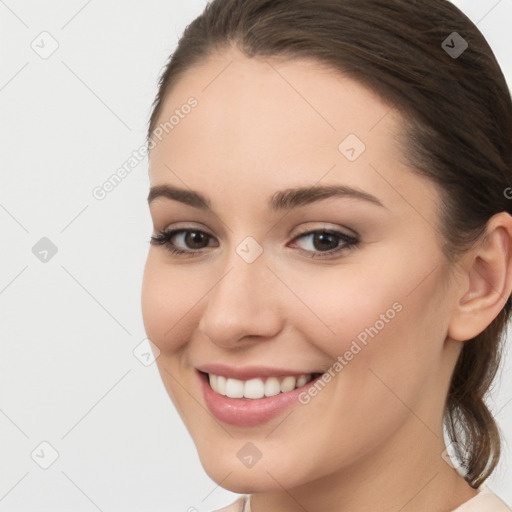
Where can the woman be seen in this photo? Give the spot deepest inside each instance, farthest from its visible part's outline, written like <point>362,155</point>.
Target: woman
<point>330,270</point>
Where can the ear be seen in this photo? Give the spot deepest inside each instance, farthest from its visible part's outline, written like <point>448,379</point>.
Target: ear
<point>487,280</point>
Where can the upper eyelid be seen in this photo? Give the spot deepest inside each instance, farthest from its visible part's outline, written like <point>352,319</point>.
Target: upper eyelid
<point>173,228</point>
<point>303,231</point>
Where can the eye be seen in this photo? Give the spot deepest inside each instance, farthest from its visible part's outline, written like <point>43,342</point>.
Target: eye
<point>190,242</point>
<point>324,243</point>
<point>193,239</point>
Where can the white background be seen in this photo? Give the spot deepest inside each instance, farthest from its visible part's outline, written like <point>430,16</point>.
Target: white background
<point>68,327</point>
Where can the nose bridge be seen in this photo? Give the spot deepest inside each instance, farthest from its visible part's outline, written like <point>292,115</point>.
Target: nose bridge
<point>241,302</point>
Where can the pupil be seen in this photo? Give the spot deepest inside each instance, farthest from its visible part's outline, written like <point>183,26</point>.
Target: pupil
<point>195,237</point>
<point>323,238</point>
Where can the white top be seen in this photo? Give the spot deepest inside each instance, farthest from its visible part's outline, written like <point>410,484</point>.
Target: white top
<point>484,501</point>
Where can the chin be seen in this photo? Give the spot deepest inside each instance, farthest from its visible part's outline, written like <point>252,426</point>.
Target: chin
<point>263,477</point>
<point>246,481</point>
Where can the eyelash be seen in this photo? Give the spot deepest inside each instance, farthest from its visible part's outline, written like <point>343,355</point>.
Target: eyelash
<point>163,238</point>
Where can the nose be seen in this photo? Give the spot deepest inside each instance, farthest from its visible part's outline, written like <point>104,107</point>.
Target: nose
<point>244,303</point>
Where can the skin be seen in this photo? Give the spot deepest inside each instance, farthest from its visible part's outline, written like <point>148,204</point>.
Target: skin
<point>372,438</point>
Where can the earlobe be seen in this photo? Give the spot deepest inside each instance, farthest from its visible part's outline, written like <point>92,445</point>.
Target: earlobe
<point>488,280</point>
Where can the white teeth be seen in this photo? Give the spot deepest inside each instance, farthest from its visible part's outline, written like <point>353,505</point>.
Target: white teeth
<point>288,383</point>
<point>302,380</point>
<point>272,386</point>
<point>234,388</point>
<point>256,388</point>
<point>218,383</point>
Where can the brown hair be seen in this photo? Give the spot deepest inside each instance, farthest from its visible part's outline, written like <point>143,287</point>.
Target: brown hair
<point>457,131</point>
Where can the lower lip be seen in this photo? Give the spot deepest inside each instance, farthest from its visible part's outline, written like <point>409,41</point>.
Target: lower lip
<point>245,412</point>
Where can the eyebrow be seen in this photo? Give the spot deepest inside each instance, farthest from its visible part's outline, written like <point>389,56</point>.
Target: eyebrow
<point>282,200</point>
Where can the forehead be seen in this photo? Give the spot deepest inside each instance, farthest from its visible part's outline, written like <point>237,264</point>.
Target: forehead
<point>266,124</point>
<point>266,96</point>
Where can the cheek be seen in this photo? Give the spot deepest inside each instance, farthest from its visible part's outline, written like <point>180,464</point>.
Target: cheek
<point>339,305</point>
<point>379,303</point>
<point>168,300</point>
<point>373,324</point>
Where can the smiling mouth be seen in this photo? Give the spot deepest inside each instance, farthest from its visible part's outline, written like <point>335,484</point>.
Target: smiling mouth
<point>257,388</point>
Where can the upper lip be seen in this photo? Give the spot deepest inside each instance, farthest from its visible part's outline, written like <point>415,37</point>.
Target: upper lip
<point>248,372</point>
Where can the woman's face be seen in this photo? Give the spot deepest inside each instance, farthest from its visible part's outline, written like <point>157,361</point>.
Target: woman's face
<point>353,284</point>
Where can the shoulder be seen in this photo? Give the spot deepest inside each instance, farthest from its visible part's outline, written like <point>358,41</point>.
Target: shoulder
<point>238,506</point>
<point>484,501</point>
